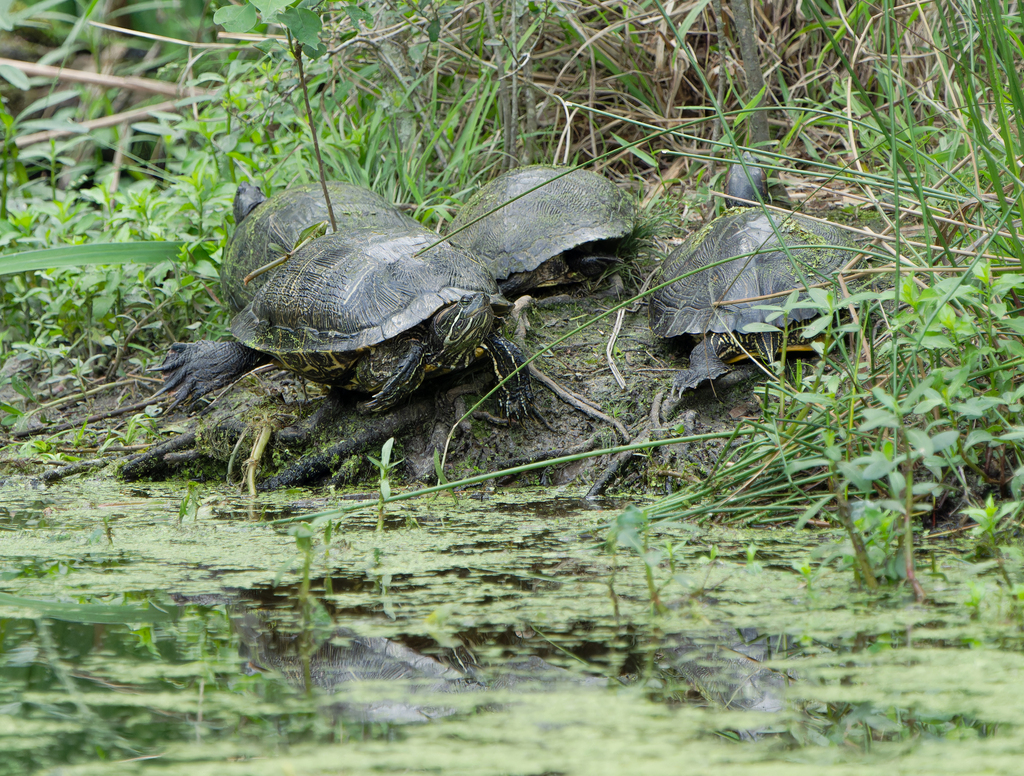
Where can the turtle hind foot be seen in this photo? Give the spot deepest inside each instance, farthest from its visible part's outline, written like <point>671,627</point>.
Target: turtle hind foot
<point>193,369</point>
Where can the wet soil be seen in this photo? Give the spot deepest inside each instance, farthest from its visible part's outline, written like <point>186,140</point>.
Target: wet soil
<point>450,405</point>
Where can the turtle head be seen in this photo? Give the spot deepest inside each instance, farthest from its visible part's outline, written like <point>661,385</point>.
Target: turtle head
<point>246,199</point>
<point>746,180</point>
<point>459,328</point>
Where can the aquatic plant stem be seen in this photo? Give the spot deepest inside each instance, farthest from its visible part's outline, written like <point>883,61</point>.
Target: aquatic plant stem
<point>297,53</point>
<point>254,459</point>
<point>859,551</point>
<point>908,529</point>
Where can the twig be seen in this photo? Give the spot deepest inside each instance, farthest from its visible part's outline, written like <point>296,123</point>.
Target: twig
<point>130,83</point>
<point>610,348</point>
<point>176,41</point>
<point>123,347</point>
<point>577,401</point>
<point>138,407</point>
<point>297,52</point>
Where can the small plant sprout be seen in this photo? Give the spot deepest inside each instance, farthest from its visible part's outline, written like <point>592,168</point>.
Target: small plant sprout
<point>384,466</point>
<point>992,520</point>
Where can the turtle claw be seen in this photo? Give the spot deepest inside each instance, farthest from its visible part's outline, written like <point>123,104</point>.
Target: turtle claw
<point>515,392</point>
<point>193,369</point>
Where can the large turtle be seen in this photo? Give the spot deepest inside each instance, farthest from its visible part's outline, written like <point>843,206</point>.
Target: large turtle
<point>265,228</point>
<point>746,252</point>
<point>373,311</point>
<point>547,222</point>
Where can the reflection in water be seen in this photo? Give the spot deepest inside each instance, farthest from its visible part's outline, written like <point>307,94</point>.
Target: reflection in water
<point>383,680</point>
<point>537,670</point>
<point>727,668</point>
<point>343,658</point>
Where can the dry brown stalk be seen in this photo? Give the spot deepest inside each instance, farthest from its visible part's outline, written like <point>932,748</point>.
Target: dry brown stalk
<point>131,83</point>
<point>161,38</point>
<point>85,126</point>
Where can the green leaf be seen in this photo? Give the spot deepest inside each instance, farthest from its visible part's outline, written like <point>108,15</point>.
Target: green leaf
<point>920,440</point>
<point>14,77</point>
<point>757,327</point>
<point>357,15</point>
<point>236,18</point>
<point>269,9</point>
<point>876,418</point>
<point>750,106</point>
<point>434,30</point>
<point>95,253</point>
<point>314,52</point>
<point>813,510</point>
<point>21,387</point>
<point>878,466</point>
<point>943,440</point>
<point>304,25</point>
<point>636,151</point>
<point>977,437</point>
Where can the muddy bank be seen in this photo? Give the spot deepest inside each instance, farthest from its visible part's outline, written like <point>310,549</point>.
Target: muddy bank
<point>273,402</point>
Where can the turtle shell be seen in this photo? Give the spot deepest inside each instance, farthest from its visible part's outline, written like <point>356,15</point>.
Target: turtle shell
<point>579,207</point>
<point>279,220</point>
<point>765,262</point>
<point>343,293</point>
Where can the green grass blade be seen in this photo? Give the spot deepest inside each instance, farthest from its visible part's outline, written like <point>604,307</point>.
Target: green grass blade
<point>96,613</point>
<point>79,255</point>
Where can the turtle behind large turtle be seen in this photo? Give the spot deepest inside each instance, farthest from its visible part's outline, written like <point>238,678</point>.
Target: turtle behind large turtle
<point>546,223</point>
<point>266,228</point>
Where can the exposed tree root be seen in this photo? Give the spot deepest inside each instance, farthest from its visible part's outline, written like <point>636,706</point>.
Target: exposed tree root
<point>153,460</point>
<point>619,460</point>
<point>542,455</point>
<point>376,431</point>
<point>56,475</point>
<point>578,402</point>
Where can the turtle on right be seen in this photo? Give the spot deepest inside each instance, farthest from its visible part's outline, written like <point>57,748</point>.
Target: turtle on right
<point>746,252</point>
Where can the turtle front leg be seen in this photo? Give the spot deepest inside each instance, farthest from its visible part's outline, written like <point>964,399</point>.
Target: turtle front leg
<point>515,394</point>
<point>393,371</point>
<point>194,369</point>
<point>705,364</point>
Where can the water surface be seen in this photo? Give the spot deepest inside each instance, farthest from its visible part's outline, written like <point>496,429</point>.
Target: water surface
<point>496,635</point>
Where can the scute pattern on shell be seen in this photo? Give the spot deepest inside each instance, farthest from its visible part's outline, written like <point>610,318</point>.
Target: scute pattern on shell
<point>578,208</point>
<point>283,217</point>
<point>341,293</point>
<point>687,305</point>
